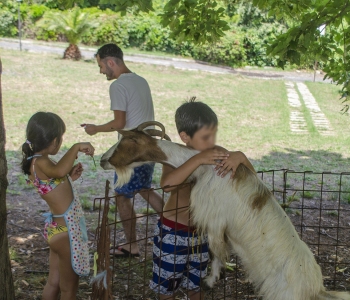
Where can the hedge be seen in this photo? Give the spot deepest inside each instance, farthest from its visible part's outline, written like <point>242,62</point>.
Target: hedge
<point>240,46</point>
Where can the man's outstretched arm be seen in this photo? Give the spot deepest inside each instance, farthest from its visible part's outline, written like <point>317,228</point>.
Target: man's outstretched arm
<point>118,123</point>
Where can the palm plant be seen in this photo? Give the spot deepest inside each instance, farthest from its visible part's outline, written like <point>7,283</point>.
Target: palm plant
<point>72,24</point>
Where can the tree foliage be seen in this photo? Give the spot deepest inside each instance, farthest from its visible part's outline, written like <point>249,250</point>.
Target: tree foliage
<point>191,20</point>
<point>321,31</point>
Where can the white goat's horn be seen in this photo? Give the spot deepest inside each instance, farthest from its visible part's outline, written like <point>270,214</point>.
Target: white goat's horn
<point>150,123</point>
<point>155,132</point>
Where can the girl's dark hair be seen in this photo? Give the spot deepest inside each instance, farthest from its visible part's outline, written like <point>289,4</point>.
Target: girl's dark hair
<point>192,116</point>
<point>42,129</point>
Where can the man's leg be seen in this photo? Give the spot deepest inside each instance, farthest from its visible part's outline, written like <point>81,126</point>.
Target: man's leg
<point>154,199</point>
<point>128,218</point>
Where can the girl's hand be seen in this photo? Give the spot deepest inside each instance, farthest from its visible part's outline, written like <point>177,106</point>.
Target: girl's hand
<point>76,171</point>
<point>86,148</point>
<point>212,157</point>
<point>231,164</point>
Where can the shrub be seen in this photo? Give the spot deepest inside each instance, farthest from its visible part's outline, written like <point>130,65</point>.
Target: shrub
<point>245,44</point>
<point>111,29</point>
<point>229,51</point>
<point>7,21</point>
<point>8,18</point>
<point>37,11</point>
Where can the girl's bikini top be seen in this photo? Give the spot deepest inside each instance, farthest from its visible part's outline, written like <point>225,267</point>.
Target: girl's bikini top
<point>44,186</point>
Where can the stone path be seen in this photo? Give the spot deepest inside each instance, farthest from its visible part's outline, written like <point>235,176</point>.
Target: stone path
<point>319,119</point>
<point>297,120</point>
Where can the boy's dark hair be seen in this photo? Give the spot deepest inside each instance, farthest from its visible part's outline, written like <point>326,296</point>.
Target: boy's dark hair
<point>42,129</point>
<point>110,50</point>
<point>192,116</point>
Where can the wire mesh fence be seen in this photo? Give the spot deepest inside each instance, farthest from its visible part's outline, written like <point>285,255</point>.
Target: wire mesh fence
<point>318,205</point>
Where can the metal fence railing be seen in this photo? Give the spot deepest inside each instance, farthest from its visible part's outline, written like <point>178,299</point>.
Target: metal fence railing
<point>317,203</point>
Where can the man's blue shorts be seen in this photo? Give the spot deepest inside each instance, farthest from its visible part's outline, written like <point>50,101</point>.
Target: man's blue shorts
<point>141,179</point>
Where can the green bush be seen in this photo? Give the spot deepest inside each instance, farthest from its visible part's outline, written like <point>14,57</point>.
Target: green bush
<point>111,29</point>
<point>37,11</point>
<point>7,21</point>
<point>245,44</point>
<point>229,51</point>
<point>255,42</point>
<point>8,18</point>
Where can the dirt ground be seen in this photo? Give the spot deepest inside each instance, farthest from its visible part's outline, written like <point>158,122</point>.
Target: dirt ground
<point>322,219</point>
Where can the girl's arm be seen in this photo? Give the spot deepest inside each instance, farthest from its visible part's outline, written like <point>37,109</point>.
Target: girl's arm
<point>64,166</point>
<point>173,177</point>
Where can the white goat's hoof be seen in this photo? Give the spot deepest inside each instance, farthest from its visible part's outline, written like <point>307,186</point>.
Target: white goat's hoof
<point>210,281</point>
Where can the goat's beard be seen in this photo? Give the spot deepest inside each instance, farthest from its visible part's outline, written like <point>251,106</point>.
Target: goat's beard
<point>125,173</point>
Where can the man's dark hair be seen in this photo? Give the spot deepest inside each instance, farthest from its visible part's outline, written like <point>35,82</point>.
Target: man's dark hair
<point>110,50</point>
<point>192,116</point>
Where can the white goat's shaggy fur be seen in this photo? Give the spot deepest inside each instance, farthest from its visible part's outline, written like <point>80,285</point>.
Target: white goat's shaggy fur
<point>243,216</point>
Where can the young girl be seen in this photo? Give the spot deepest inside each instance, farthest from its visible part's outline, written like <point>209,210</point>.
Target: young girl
<point>65,224</point>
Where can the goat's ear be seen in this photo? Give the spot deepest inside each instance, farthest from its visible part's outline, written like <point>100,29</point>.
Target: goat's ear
<point>123,132</point>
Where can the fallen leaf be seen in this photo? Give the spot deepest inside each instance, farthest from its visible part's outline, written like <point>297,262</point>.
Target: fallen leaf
<point>25,282</point>
<point>83,283</point>
<point>341,270</point>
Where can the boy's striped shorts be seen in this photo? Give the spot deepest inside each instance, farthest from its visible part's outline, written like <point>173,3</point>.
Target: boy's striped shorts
<point>180,258</point>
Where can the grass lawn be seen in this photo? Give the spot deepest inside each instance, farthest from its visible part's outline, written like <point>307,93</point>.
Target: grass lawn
<point>253,113</point>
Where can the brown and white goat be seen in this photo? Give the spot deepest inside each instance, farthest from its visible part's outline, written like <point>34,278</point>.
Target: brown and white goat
<point>240,214</point>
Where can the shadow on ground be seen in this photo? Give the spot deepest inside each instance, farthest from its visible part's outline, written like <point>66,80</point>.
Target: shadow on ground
<point>307,160</point>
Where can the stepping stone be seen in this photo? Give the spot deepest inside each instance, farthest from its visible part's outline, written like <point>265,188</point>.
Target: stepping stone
<point>321,122</point>
<point>297,121</point>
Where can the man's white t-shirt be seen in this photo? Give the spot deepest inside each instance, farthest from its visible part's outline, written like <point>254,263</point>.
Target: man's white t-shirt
<point>131,93</point>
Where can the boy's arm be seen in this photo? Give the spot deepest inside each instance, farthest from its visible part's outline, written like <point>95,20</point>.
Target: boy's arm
<point>173,177</point>
<point>231,164</point>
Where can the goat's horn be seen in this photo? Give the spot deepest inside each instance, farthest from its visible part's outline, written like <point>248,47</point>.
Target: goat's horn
<point>155,132</point>
<point>150,123</point>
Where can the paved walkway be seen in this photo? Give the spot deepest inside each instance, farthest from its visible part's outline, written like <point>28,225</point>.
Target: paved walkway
<point>297,121</point>
<point>319,119</point>
<point>177,63</point>
<point>297,118</point>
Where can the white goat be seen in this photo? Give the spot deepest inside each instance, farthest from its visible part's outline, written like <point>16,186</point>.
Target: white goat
<point>240,214</point>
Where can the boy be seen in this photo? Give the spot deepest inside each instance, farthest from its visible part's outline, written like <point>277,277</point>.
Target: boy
<point>180,258</point>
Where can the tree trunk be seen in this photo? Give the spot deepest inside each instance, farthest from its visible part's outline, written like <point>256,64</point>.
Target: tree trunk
<point>7,291</point>
<point>72,52</point>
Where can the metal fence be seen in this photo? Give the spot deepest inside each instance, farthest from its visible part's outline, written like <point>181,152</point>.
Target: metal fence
<point>317,203</point>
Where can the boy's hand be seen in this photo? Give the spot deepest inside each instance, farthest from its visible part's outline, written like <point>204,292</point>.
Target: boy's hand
<point>86,148</point>
<point>76,171</point>
<point>212,157</point>
<point>230,164</point>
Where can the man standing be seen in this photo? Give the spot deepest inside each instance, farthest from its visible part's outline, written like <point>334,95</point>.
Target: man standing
<point>132,104</point>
